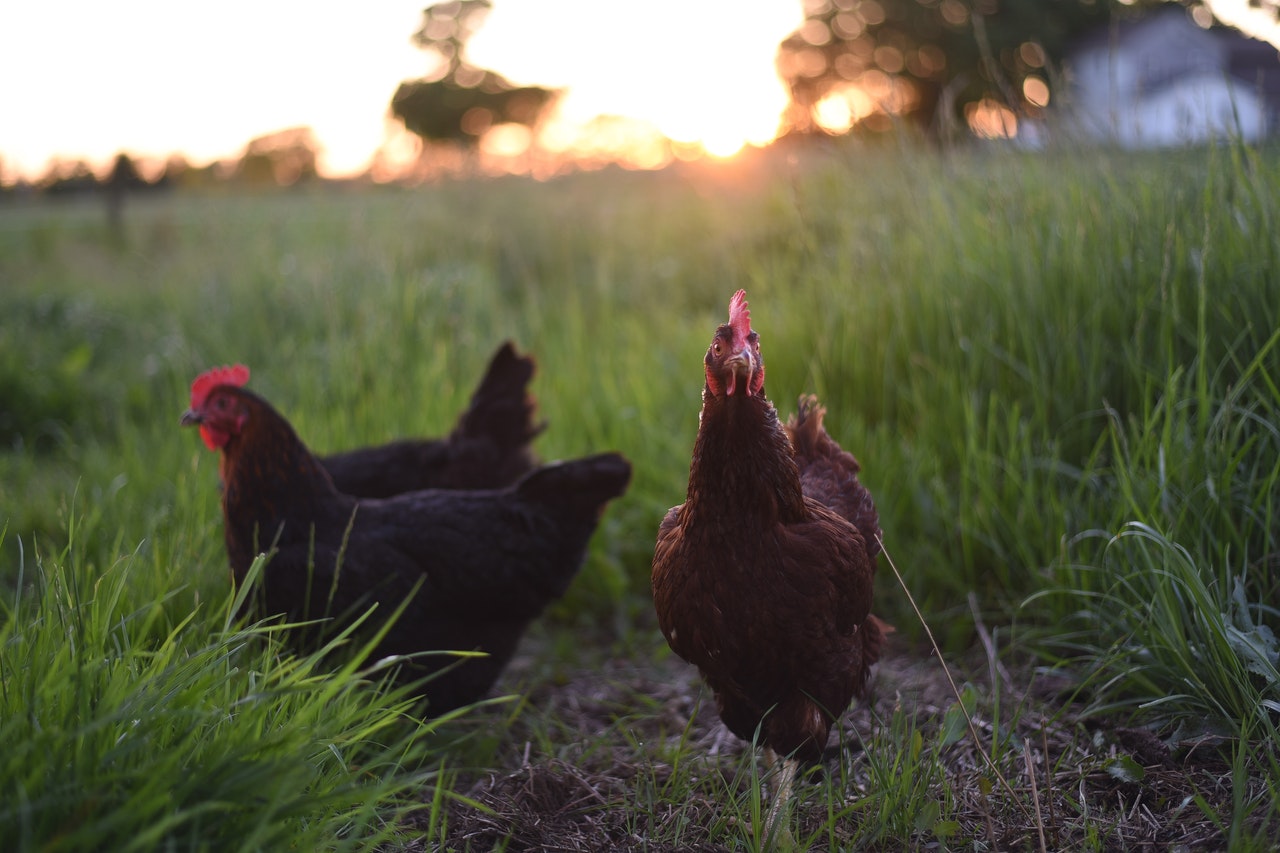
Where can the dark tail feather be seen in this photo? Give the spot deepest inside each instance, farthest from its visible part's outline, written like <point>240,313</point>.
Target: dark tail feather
<point>874,632</point>
<point>808,436</point>
<point>501,408</point>
<point>875,636</point>
<point>829,473</point>
<point>571,496</point>
<point>579,485</point>
<point>806,424</point>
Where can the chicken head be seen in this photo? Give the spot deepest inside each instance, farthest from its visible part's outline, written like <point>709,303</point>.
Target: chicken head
<point>215,407</point>
<point>733,363</point>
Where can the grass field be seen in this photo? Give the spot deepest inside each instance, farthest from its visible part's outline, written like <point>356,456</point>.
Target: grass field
<point>1060,371</point>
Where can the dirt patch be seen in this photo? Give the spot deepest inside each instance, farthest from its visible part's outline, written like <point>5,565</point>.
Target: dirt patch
<point>628,754</point>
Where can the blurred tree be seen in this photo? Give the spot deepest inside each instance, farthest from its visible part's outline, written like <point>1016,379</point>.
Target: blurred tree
<point>445,111</point>
<point>457,102</point>
<point>446,29</point>
<point>175,172</point>
<point>124,173</point>
<point>282,158</point>
<point>179,173</point>
<point>67,179</point>
<point>928,60</point>
<point>123,178</point>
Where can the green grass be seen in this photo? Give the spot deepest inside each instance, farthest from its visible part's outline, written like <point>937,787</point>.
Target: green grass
<point>1061,373</point>
<point>126,731</point>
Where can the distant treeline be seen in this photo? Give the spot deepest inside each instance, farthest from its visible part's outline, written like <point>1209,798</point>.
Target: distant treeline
<point>279,159</point>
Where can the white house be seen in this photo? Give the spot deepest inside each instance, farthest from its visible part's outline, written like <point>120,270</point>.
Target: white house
<point>1163,80</point>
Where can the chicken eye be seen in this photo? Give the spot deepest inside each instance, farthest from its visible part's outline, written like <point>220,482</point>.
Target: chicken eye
<point>716,347</point>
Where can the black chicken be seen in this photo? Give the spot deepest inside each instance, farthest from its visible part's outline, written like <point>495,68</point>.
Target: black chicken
<point>476,567</point>
<point>488,448</point>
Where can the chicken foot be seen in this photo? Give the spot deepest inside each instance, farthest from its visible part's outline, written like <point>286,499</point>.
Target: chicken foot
<point>781,797</point>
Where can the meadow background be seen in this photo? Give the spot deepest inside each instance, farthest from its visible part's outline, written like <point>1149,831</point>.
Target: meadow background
<point>1060,370</point>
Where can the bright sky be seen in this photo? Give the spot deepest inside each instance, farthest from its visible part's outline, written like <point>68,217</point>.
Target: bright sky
<point>1257,22</point>
<point>87,78</point>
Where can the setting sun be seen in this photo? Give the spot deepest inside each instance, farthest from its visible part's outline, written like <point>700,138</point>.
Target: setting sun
<point>698,72</point>
<point>725,145</point>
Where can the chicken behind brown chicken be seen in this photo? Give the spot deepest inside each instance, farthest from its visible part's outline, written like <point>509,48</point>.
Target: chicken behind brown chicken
<point>473,568</point>
<point>488,448</point>
<point>829,473</point>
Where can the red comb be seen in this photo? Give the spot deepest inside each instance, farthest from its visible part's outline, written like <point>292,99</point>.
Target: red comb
<point>740,314</point>
<point>212,378</point>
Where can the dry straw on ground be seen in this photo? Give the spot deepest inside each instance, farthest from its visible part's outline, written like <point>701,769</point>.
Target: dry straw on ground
<point>629,755</point>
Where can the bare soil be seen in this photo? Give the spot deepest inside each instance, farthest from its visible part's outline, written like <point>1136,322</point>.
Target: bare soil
<point>627,754</point>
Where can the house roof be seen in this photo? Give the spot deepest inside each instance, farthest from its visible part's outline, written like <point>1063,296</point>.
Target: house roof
<point>1251,61</point>
<point>1122,28</point>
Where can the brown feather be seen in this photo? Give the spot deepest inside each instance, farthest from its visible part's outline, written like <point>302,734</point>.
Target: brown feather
<point>760,585</point>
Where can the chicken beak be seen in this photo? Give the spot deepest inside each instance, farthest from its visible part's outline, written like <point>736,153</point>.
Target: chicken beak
<point>191,418</point>
<point>741,366</point>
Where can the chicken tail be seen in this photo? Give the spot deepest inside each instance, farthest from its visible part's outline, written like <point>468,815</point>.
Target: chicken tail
<point>579,486</point>
<point>501,408</point>
<point>810,439</point>
<point>805,426</point>
<point>829,473</point>
<point>875,636</point>
<point>570,497</point>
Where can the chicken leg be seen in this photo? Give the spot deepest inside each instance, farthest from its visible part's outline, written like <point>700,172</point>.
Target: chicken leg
<point>781,798</point>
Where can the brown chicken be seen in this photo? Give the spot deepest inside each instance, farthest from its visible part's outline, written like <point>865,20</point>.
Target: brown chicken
<point>763,577</point>
<point>488,448</point>
<point>472,568</point>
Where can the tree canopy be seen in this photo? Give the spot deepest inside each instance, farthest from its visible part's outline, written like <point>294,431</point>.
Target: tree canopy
<point>284,158</point>
<point>932,61</point>
<point>458,102</point>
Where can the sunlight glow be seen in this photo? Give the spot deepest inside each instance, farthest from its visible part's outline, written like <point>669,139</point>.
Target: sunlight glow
<point>834,113</point>
<point>699,72</point>
<point>991,119</point>
<point>725,145</point>
<point>507,140</point>
<point>629,142</point>
<point>153,78</point>
<point>1256,21</point>
<point>1036,91</point>
<point>872,96</point>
